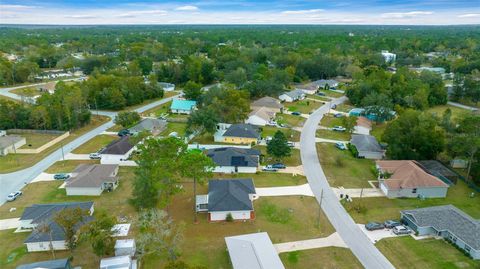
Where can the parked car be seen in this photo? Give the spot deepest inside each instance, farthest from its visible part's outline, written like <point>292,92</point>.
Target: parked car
<point>334,106</point>
<point>389,224</point>
<point>272,123</point>
<point>279,166</point>
<point>338,115</point>
<point>291,144</point>
<point>296,113</point>
<point>400,229</point>
<point>95,156</point>
<point>340,145</point>
<point>13,196</point>
<point>320,94</point>
<point>269,168</point>
<point>339,128</point>
<point>61,176</point>
<point>371,226</point>
<point>123,132</point>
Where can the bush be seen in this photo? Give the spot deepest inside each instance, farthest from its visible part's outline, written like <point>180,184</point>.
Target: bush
<point>229,217</point>
<point>353,150</point>
<point>292,257</point>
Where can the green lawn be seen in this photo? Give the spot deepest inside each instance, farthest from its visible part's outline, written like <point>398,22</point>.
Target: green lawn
<point>329,134</point>
<point>178,127</point>
<point>95,144</point>
<point>290,120</point>
<point>319,98</point>
<point>406,252</point>
<point>35,140</point>
<point>345,107</point>
<point>305,106</point>
<point>378,129</point>
<point>381,209</point>
<point>68,166</point>
<point>291,135</point>
<point>342,169</point>
<point>331,93</point>
<point>439,110</point>
<point>330,121</point>
<point>328,257</point>
<point>115,128</point>
<point>293,160</point>
<point>158,110</point>
<point>14,162</point>
<point>269,179</point>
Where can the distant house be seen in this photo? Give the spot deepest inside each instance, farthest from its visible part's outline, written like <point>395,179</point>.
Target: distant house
<point>10,143</point>
<point>364,126</point>
<point>309,88</point>
<point>261,116</point>
<point>48,87</point>
<point>367,146</point>
<point>51,264</point>
<point>292,96</point>
<point>268,102</point>
<point>407,179</point>
<point>92,179</point>
<point>43,214</point>
<point>253,251</point>
<point>118,262</point>
<point>154,126</point>
<point>325,83</point>
<point>168,87</point>
<point>388,56</point>
<point>239,133</point>
<point>182,106</point>
<point>439,170</point>
<point>234,160</point>
<point>357,112</point>
<point>228,196</point>
<point>448,222</point>
<point>117,151</point>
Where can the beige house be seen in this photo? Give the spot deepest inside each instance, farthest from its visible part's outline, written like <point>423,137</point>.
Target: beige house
<point>92,179</point>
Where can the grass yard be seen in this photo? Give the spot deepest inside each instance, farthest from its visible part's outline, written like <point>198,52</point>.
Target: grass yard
<point>269,179</point>
<point>158,110</point>
<point>290,120</point>
<point>319,98</point>
<point>178,127</point>
<point>439,110</point>
<point>406,252</point>
<point>328,257</point>
<point>345,107</point>
<point>14,162</point>
<point>115,128</point>
<point>330,121</point>
<point>304,106</point>
<point>293,160</point>
<point>331,93</point>
<point>378,129</point>
<point>35,140</point>
<point>28,91</point>
<point>291,134</point>
<point>68,166</point>
<point>95,144</point>
<point>342,169</point>
<point>381,209</point>
<point>329,134</point>
<point>149,101</point>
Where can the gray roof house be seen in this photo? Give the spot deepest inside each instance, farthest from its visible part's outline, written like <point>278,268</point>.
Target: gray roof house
<point>92,179</point>
<point>292,96</point>
<point>117,151</point>
<point>43,214</point>
<point>253,251</point>
<point>234,160</point>
<point>51,264</point>
<point>448,222</point>
<point>242,130</point>
<point>268,102</point>
<point>367,146</point>
<point>228,196</point>
<point>154,126</point>
<point>324,82</point>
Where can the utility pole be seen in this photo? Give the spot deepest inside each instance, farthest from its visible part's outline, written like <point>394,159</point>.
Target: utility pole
<point>319,209</point>
<point>63,155</point>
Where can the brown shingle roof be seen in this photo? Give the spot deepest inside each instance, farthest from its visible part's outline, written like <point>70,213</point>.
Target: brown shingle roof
<point>364,122</point>
<point>267,101</point>
<point>407,174</point>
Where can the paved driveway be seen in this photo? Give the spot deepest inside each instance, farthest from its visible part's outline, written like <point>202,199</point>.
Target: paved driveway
<point>285,191</point>
<point>333,240</point>
<point>7,224</point>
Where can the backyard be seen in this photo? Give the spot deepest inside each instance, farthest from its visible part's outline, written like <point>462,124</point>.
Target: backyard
<point>293,160</point>
<point>36,140</point>
<point>328,257</point>
<point>68,166</point>
<point>269,179</point>
<point>290,120</point>
<point>178,127</point>
<point>291,134</point>
<point>330,121</point>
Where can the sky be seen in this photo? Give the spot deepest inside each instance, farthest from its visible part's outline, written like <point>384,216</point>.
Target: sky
<point>90,12</point>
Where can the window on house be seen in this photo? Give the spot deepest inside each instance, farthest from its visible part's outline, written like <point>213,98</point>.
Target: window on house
<point>467,248</point>
<point>414,190</point>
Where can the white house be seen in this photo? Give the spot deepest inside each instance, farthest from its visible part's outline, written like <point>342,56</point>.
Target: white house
<point>292,96</point>
<point>179,106</point>
<point>117,152</point>
<point>228,197</point>
<point>388,56</point>
<point>168,87</point>
<point>125,247</point>
<point>10,143</point>
<point>118,262</point>
<point>261,116</point>
<point>92,179</point>
<point>234,160</point>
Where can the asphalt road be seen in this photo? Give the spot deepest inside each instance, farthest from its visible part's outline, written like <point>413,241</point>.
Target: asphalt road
<point>16,180</point>
<point>356,240</point>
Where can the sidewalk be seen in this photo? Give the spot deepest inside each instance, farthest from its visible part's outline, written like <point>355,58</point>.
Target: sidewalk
<point>333,240</point>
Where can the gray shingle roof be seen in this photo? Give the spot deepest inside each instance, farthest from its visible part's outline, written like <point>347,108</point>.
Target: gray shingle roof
<point>242,130</point>
<point>450,218</point>
<point>149,124</point>
<point>118,147</point>
<point>322,82</point>
<point>295,94</point>
<point>230,194</point>
<point>51,264</point>
<point>92,175</point>
<point>231,156</point>
<point>366,143</point>
<point>267,101</point>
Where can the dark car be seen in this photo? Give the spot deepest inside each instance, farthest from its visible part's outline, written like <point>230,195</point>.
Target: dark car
<point>279,166</point>
<point>389,224</point>
<point>123,132</point>
<point>338,115</point>
<point>334,106</point>
<point>296,113</point>
<point>371,226</point>
<point>61,176</point>
<point>320,94</point>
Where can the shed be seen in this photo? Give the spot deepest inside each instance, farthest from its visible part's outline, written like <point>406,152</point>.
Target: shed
<point>125,247</point>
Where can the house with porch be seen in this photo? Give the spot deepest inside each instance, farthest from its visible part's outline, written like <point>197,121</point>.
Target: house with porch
<point>239,133</point>
<point>117,151</point>
<point>92,179</point>
<point>231,160</point>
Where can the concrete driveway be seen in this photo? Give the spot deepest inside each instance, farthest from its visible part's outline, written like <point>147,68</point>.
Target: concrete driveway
<point>378,235</point>
<point>285,191</point>
<point>333,240</point>
<point>7,224</point>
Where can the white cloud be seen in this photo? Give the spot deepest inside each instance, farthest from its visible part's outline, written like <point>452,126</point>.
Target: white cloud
<point>304,11</point>
<point>3,7</point>
<point>469,15</point>
<point>186,8</point>
<point>401,15</point>
<point>81,17</point>
<point>135,13</point>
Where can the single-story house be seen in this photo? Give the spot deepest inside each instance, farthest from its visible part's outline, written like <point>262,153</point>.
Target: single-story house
<point>183,106</point>
<point>371,116</point>
<point>234,160</point>
<point>51,264</point>
<point>239,133</point>
<point>168,87</point>
<point>117,151</point>
<point>292,96</point>
<point>261,116</point>
<point>228,197</point>
<point>439,170</point>
<point>92,179</point>
<point>154,126</point>
<point>407,179</point>
<point>38,215</point>
<point>125,247</point>
<point>364,126</point>
<point>118,262</point>
<point>48,87</point>
<point>309,88</point>
<point>388,56</point>
<point>268,102</point>
<point>253,251</point>
<point>10,143</point>
<point>448,222</point>
<point>325,83</point>
<point>367,146</point>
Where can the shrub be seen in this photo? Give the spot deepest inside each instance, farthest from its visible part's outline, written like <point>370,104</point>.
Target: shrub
<point>353,149</point>
<point>229,217</point>
<point>292,257</point>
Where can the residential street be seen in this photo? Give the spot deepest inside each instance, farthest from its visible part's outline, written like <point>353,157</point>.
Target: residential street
<point>356,240</point>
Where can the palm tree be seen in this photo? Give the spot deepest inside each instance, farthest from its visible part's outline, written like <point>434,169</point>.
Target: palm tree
<point>45,228</point>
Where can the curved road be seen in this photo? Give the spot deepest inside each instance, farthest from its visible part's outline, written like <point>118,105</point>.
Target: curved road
<point>16,180</point>
<point>356,240</point>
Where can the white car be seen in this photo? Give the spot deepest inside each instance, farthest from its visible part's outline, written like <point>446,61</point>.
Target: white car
<point>400,229</point>
<point>13,196</point>
<point>95,156</point>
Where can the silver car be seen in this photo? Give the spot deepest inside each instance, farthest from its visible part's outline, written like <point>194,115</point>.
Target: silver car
<point>13,196</point>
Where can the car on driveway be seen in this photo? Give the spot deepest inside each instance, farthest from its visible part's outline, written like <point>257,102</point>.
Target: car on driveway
<point>61,176</point>
<point>13,196</point>
<point>371,226</point>
<point>279,166</point>
<point>123,132</point>
<point>400,229</point>
<point>389,224</point>
<point>270,168</point>
<point>339,128</point>
<point>291,144</point>
<point>338,115</point>
<point>95,156</point>
<point>320,93</point>
<point>340,145</point>
<point>296,113</point>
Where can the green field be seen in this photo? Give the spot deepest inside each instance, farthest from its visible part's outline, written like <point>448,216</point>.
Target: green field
<point>36,140</point>
<point>326,258</point>
<point>334,135</point>
<point>95,144</point>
